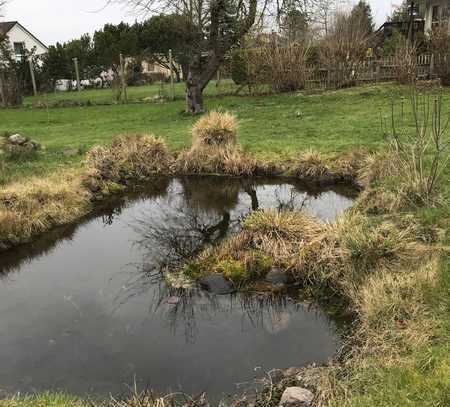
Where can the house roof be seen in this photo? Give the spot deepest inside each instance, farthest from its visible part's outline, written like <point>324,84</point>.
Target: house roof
<point>7,26</point>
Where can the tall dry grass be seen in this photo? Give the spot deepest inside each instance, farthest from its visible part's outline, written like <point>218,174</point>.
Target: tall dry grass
<point>336,255</point>
<point>314,166</point>
<point>36,205</point>
<point>130,158</point>
<point>215,149</point>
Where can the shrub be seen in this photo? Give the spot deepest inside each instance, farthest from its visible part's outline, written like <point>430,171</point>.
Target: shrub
<point>421,156</point>
<point>406,64</point>
<point>239,72</point>
<point>344,47</point>
<point>129,158</point>
<point>440,46</point>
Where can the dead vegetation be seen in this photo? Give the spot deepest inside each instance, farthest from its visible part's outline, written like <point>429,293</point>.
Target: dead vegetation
<point>313,166</point>
<point>215,149</point>
<point>130,158</point>
<point>35,206</point>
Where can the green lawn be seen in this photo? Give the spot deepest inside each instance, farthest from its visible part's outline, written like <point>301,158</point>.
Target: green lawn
<point>273,126</point>
<point>135,93</point>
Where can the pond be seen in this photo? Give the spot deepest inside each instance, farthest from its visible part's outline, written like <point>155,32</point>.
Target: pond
<point>85,310</point>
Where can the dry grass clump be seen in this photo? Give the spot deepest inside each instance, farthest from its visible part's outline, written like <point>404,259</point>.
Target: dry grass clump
<point>215,129</point>
<point>215,150</point>
<point>282,225</point>
<point>129,158</point>
<point>35,206</point>
<point>312,164</point>
<point>315,166</point>
<point>378,167</point>
<point>337,255</point>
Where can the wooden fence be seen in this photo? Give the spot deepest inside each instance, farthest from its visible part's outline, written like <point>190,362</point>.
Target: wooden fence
<point>369,71</point>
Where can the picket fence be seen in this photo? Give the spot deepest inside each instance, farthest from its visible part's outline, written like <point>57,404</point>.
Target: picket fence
<point>369,71</point>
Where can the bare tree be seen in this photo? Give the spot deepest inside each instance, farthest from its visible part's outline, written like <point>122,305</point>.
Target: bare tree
<point>219,25</point>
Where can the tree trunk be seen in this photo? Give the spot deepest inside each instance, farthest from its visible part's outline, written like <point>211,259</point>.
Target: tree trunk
<point>177,74</point>
<point>194,94</point>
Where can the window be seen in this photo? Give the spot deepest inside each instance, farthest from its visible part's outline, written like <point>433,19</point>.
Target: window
<point>436,15</point>
<point>19,49</point>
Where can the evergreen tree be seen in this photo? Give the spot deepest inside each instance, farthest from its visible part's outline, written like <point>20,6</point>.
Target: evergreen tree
<point>362,14</point>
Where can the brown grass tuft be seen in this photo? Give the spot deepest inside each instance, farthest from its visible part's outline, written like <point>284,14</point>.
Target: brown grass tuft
<point>312,164</point>
<point>35,206</point>
<point>129,158</point>
<point>316,166</point>
<point>215,129</point>
<point>215,150</point>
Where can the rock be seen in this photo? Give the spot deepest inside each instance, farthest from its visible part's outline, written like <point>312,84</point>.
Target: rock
<point>277,276</point>
<point>217,284</point>
<point>17,139</point>
<point>173,300</point>
<point>31,145</point>
<point>297,397</point>
<point>71,152</point>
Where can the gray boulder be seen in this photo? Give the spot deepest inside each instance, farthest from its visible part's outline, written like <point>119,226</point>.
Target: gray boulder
<point>216,284</point>
<point>277,277</point>
<point>297,397</point>
<point>17,139</point>
<point>31,145</point>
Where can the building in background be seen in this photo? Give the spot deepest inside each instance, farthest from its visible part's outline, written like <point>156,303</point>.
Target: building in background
<point>21,39</point>
<point>434,13</point>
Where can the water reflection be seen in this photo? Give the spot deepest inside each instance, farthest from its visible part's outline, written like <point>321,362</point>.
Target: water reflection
<point>86,308</point>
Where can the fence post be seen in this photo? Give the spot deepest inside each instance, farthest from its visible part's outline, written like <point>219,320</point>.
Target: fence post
<point>33,78</point>
<point>172,86</point>
<point>123,80</point>
<point>431,66</point>
<point>77,73</point>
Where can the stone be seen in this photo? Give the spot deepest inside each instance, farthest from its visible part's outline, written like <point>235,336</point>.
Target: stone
<point>173,300</point>
<point>71,152</point>
<point>31,145</point>
<point>216,284</point>
<point>277,276</point>
<point>297,397</point>
<point>17,139</point>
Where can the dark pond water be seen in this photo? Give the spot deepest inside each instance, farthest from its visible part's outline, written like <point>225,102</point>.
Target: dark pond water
<point>84,309</point>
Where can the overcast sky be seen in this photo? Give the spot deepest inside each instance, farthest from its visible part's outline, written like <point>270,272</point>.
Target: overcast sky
<point>61,20</point>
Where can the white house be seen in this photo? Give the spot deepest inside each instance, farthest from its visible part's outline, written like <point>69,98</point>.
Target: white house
<point>21,39</point>
<point>434,12</point>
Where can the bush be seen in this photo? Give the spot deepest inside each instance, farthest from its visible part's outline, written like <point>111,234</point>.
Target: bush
<point>406,64</point>
<point>239,72</point>
<point>440,46</point>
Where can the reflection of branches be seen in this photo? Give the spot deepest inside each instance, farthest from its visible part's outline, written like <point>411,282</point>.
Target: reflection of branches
<point>291,203</point>
<point>179,232</point>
